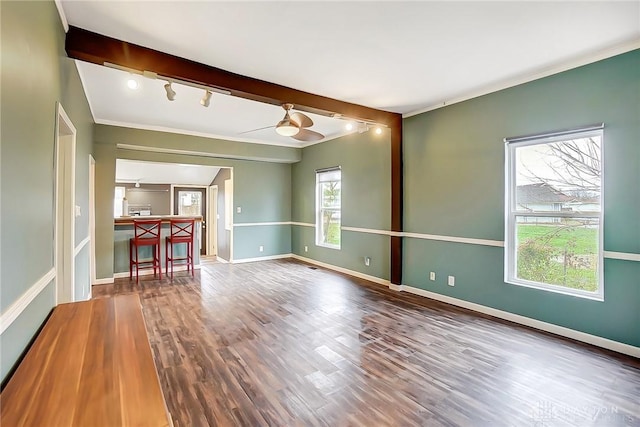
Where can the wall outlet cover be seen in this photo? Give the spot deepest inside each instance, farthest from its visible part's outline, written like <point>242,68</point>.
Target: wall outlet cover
<point>261,248</point>
<point>239,209</point>
<point>306,248</point>
<point>451,281</point>
<point>432,275</point>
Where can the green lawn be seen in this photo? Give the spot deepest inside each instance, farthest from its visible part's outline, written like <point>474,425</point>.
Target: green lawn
<point>558,236</point>
<point>558,254</point>
<point>333,233</point>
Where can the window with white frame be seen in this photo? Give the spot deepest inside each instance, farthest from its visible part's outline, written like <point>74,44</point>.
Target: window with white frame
<point>328,213</point>
<point>554,212</point>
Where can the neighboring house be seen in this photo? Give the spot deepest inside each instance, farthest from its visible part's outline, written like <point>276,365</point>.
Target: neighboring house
<point>541,197</point>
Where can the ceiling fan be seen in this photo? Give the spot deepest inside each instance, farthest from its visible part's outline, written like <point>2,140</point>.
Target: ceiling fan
<point>294,125</point>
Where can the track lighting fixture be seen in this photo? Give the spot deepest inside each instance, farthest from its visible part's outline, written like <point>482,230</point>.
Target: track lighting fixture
<point>137,185</point>
<point>378,131</point>
<point>206,99</point>
<point>171,94</point>
<point>349,126</point>
<point>363,127</point>
<point>132,84</point>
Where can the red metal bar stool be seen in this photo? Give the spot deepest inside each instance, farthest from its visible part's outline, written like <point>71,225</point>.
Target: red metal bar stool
<point>181,232</point>
<point>145,233</point>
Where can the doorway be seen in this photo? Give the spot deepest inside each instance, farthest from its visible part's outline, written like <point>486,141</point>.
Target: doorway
<point>192,201</point>
<point>65,207</point>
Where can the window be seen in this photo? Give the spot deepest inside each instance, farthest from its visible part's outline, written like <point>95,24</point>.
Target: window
<point>118,202</point>
<point>328,189</point>
<point>553,212</point>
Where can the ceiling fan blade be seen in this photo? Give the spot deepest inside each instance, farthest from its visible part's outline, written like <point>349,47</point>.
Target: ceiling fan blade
<point>255,130</point>
<point>302,120</point>
<point>308,135</point>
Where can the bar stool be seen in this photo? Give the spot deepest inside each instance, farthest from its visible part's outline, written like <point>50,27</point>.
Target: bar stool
<point>181,232</point>
<point>145,233</point>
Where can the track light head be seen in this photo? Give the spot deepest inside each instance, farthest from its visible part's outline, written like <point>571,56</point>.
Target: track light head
<point>171,94</point>
<point>363,127</point>
<point>206,99</point>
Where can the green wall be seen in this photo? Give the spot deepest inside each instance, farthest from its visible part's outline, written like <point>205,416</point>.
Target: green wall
<point>262,188</point>
<point>454,186</point>
<point>35,76</point>
<point>366,200</point>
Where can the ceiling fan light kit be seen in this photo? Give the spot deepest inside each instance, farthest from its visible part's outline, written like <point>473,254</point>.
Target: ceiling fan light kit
<point>295,125</point>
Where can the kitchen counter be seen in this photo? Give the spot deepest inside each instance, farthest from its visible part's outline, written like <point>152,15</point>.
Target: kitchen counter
<point>128,220</point>
<point>123,231</point>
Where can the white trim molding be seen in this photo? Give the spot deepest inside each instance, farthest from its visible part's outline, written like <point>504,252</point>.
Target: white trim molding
<point>221,260</point>
<point>105,281</point>
<point>453,239</point>
<point>303,224</point>
<point>63,16</point>
<point>589,59</point>
<point>622,255</point>
<point>371,231</point>
<point>255,224</point>
<point>14,310</point>
<point>81,245</point>
<point>354,273</point>
<point>262,258</point>
<point>527,321</point>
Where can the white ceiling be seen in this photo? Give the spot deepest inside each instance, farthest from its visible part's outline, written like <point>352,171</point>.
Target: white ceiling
<point>397,56</point>
<point>164,173</point>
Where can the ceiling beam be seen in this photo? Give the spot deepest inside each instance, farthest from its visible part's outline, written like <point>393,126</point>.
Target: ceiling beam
<point>96,48</point>
<point>99,49</point>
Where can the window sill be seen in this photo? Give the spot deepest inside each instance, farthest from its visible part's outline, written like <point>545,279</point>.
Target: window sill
<point>328,246</point>
<point>594,296</point>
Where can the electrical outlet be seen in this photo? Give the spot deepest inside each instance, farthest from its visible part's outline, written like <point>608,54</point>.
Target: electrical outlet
<point>451,281</point>
<point>239,209</point>
<point>367,261</point>
<point>306,248</point>
<point>261,248</point>
<point>432,275</point>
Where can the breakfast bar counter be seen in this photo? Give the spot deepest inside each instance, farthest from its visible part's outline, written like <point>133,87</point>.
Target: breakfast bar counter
<point>123,231</point>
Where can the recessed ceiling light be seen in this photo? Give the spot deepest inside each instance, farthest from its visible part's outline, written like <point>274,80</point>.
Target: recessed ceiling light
<point>378,131</point>
<point>132,84</point>
<point>349,126</point>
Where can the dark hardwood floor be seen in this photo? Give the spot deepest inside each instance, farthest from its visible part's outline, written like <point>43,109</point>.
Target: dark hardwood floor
<point>283,343</point>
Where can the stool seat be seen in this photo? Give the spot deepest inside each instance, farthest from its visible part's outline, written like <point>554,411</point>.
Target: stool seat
<point>145,233</point>
<point>181,231</point>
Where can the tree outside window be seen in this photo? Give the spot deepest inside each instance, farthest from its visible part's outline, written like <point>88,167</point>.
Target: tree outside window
<point>554,212</point>
<point>328,209</point>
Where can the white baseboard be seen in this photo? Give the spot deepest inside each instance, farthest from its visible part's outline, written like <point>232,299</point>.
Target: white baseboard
<point>262,258</point>
<point>527,321</point>
<point>14,310</point>
<point>106,281</point>
<point>354,273</point>
<point>222,260</point>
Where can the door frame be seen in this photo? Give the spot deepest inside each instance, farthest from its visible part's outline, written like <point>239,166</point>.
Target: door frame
<point>212,220</point>
<point>92,222</point>
<point>65,194</point>
<point>206,208</point>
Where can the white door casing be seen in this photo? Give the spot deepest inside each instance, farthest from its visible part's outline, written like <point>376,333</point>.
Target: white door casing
<point>64,235</point>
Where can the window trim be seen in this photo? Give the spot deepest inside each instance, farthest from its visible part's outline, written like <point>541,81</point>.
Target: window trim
<point>511,213</point>
<point>319,209</point>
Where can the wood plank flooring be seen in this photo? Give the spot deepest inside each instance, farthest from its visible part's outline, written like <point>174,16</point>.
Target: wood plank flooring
<point>281,343</point>
<point>91,365</point>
